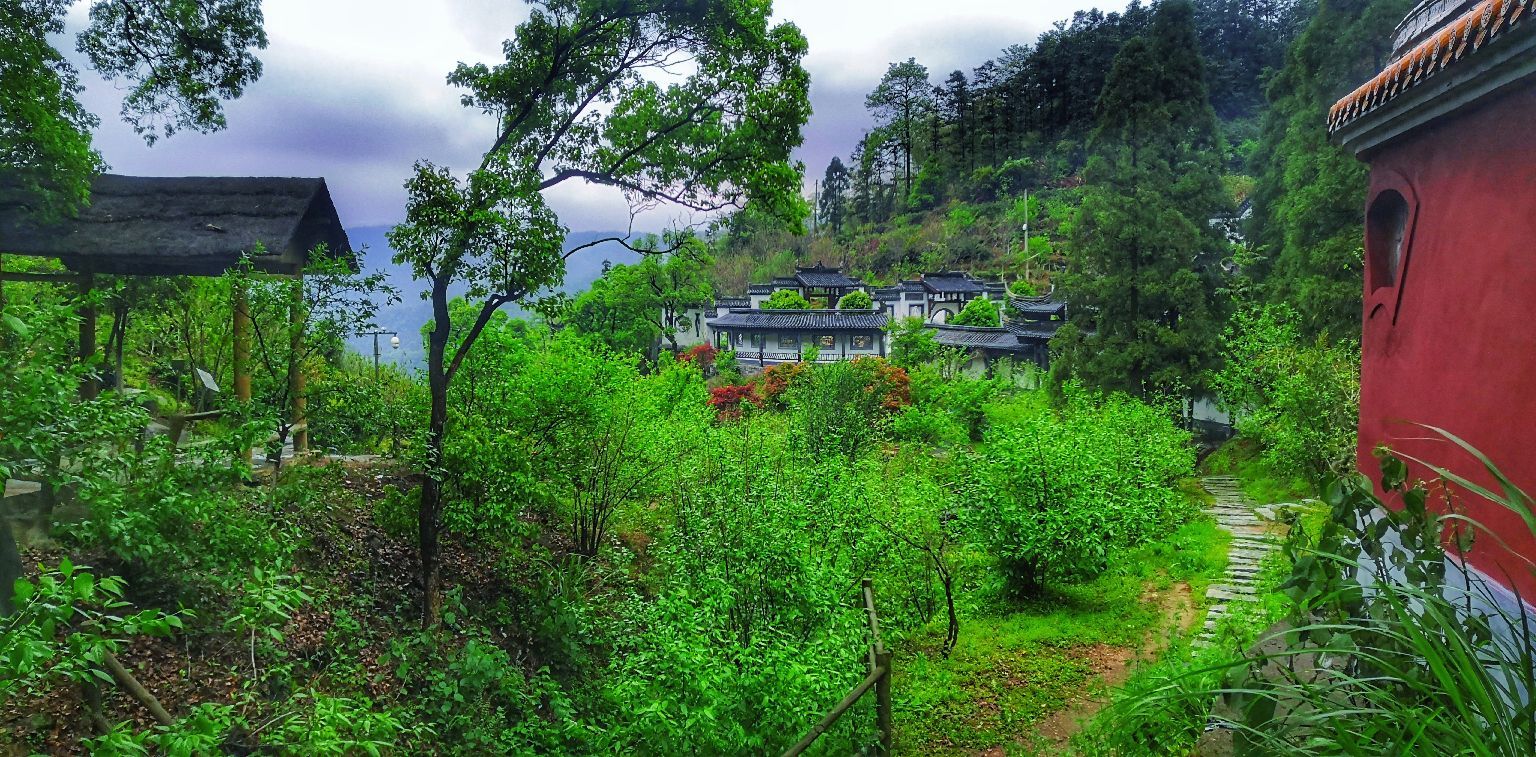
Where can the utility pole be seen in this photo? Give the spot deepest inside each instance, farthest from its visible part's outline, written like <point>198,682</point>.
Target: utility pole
<point>394,343</point>
<point>815,204</point>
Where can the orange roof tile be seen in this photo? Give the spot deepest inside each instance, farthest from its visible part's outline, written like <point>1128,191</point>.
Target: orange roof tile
<point>1455,40</point>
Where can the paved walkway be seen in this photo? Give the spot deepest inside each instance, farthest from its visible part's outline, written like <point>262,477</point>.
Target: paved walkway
<point>1252,541</point>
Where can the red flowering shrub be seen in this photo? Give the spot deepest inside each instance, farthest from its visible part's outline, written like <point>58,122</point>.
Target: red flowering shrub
<point>702,355</point>
<point>886,381</point>
<point>779,378</point>
<point>727,400</point>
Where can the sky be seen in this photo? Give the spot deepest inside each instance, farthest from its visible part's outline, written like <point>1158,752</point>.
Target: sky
<point>354,91</point>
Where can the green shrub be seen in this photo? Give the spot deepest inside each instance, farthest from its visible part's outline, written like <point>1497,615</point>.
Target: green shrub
<point>1384,653</point>
<point>978,312</point>
<point>786,299</point>
<point>858,299</point>
<point>927,425</point>
<point>1299,399</point>
<point>1058,494</point>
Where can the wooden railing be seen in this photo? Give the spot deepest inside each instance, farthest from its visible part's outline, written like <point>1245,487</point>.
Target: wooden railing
<point>879,679</point>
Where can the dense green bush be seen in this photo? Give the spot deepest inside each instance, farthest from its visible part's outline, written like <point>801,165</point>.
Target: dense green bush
<point>1299,399</point>
<point>1059,493</point>
<point>978,312</point>
<point>858,299</point>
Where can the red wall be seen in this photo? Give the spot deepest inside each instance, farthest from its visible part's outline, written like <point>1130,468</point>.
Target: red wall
<point>1461,353</point>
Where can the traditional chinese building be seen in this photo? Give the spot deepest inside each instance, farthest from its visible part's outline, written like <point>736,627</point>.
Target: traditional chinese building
<point>1450,278</point>
<point>763,337</point>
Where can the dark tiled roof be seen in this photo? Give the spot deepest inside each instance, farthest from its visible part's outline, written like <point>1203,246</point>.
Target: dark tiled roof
<point>824,276</point>
<point>759,289</point>
<point>1039,308</point>
<point>183,225</point>
<point>886,293</point>
<point>1455,40</point>
<point>732,302</point>
<point>746,318</point>
<point>985,337</point>
<point>950,282</point>
<point>784,281</point>
<point>1033,331</point>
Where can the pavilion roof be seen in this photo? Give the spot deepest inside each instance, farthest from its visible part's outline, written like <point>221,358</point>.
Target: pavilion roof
<point>972,337</point>
<point>824,276</point>
<point>197,226</point>
<point>951,282</point>
<point>1039,308</point>
<point>1033,331</point>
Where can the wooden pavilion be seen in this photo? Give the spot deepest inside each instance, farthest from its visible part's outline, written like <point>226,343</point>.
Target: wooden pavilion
<point>184,226</point>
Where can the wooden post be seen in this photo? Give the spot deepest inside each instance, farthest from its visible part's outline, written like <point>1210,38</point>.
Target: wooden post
<point>295,363</point>
<point>90,385</point>
<point>242,348</point>
<point>883,703</point>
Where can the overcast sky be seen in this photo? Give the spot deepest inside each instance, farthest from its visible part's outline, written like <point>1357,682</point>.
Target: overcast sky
<point>354,91</point>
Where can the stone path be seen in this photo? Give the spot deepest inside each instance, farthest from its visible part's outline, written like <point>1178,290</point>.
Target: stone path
<point>1252,541</point>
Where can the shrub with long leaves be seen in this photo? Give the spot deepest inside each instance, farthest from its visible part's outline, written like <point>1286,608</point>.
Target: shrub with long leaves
<point>1386,651</point>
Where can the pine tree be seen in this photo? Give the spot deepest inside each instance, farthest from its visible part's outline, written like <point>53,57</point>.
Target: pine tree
<point>1306,226</point>
<point>901,100</point>
<point>1143,259</point>
<point>833,203</point>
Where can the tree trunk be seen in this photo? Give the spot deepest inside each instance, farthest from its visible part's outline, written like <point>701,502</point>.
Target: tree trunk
<point>430,517</point>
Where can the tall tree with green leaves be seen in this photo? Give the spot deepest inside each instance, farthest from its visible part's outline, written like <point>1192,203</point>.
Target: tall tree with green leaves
<point>180,59</point>
<point>1307,227</point>
<point>901,101</point>
<point>1143,259</point>
<point>697,105</point>
<point>833,203</point>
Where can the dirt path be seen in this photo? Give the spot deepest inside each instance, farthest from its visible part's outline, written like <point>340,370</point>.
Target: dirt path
<point>1252,540</point>
<point>1112,667</point>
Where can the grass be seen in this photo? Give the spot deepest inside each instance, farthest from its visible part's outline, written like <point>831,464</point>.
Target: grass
<point>1241,457</point>
<point>1018,661</point>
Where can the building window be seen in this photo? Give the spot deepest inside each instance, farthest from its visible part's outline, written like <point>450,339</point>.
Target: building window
<point>788,342</point>
<point>826,341</point>
<point>1386,227</point>
<point>723,339</point>
<point>915,310</point>
<point>757,340</point>
<point>863,341</point>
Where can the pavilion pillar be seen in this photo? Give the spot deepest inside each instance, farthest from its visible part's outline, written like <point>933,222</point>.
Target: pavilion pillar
<point>90,383</point>
<point>295,364</point>
<point>242,347</point>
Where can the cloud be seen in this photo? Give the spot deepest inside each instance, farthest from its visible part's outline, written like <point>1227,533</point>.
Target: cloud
<point>355,91</point>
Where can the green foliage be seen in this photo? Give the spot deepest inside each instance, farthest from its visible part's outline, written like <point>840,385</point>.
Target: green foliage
<point>1144,255</point>
<point>912,344</point>
<point>1299,400</point>
<point>858,299</point>
<point>978,312</point>
<point>180,57</point>
<point>65,622</point>
<point>478,700</point>
<point>786,299</point>
<point>1307,224</point>
<point>1419,660</point>
<point>1059,494</point>
<point>833,411</point>
<point>45,132</point>
<point>632,306</point>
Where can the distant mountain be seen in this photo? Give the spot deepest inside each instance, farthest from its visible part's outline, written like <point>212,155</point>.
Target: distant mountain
<point>412,312</point>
